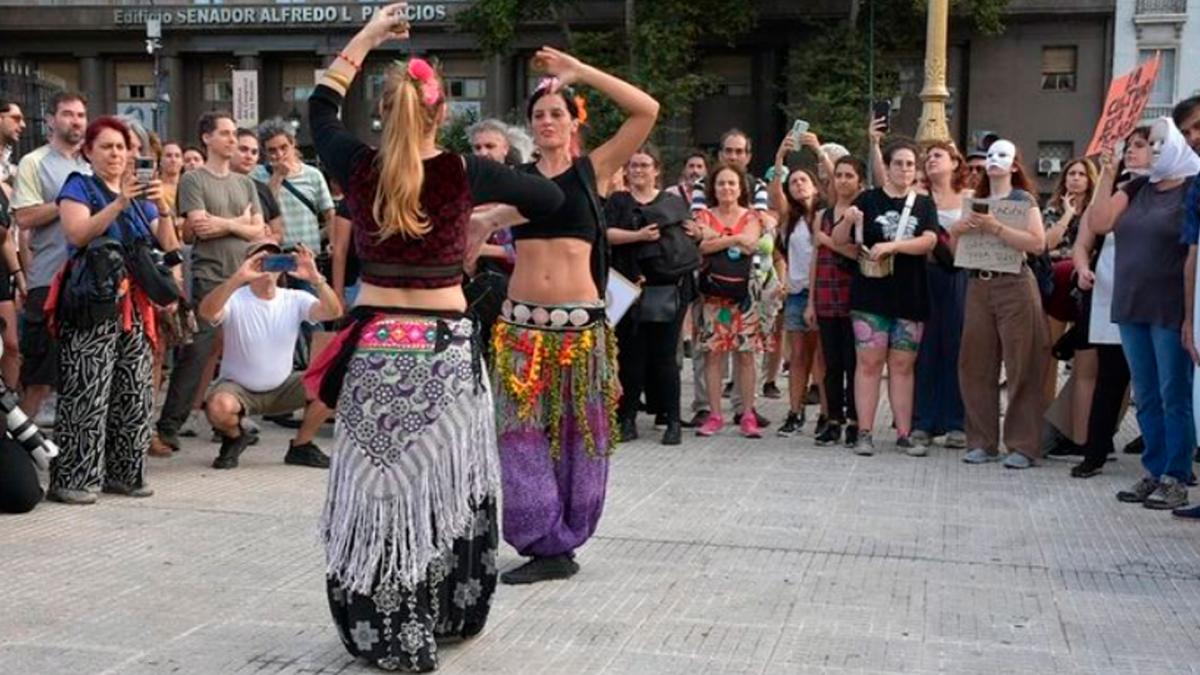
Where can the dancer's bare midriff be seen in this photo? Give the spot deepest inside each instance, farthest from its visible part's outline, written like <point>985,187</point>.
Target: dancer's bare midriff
<point>553,272</point>
<point>450,299</point>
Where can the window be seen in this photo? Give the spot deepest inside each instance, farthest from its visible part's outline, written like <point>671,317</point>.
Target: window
<point>299,80</point>
<point>1058,68</point>
<point>1164,86</point>
<point>1053,156</point>
<point>135,81</point>
<point>218,82</point>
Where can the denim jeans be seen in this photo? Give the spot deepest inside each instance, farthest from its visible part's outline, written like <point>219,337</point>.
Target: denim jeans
<point>1162,387</point>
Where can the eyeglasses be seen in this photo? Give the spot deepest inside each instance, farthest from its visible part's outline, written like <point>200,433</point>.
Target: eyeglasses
<point>977,169</point>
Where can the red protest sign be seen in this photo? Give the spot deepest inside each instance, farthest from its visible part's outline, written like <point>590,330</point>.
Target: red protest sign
<point>1127,98</point>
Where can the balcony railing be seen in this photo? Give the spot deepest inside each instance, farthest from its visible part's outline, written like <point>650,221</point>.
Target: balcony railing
<point>1145,7</point>
<point>1154,112</point>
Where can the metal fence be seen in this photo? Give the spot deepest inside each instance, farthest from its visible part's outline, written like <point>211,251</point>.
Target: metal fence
<point>23,84</point>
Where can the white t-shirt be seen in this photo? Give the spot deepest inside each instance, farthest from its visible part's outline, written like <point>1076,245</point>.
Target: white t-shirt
<point>799,257</point>
<point>1101,329</point>
<point>260,336</point>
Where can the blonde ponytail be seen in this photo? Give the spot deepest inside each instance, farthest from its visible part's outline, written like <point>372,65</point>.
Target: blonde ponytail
<point>407,121</point>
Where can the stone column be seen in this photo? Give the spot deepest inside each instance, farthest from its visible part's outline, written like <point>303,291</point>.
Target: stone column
<point>500,95</point>
<point>93,85</point>
<point>173,108</point>
<point>934,95</point>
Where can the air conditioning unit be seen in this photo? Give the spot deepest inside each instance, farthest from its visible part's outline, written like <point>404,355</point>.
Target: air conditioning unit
<point>1048,166</point>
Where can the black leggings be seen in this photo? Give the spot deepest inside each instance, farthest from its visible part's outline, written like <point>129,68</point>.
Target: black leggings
<point>837,345</point>
<point>19,488</point>
<point>1112,381</point>
<point>646,354</point>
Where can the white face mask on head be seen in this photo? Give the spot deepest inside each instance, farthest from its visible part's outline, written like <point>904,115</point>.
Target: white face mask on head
<point>1172,157</point>
<point>1001,154</point>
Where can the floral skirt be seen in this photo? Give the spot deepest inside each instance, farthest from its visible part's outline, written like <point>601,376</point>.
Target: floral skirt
<point>556,398</point>
<point>409,523</point>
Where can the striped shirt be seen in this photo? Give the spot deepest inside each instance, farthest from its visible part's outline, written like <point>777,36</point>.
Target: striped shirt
<point>300,224</point>
<point>759,203</point>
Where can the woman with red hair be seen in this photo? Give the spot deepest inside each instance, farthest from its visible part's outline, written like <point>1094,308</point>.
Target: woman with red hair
<point>105,396</point>
<point>939,406</point>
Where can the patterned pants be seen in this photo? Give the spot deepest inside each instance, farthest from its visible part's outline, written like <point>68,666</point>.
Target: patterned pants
<point>105,399</point>
<point>397,628</point>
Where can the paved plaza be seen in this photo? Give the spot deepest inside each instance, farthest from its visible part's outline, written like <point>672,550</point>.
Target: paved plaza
<point>717,556</point>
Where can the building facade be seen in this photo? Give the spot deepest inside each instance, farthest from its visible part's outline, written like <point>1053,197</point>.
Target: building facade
<point>1041,82</point>
<point>1169,27</point>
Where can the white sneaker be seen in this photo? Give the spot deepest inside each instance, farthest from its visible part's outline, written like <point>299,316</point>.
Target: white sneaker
<point>48,412</point>
<point>194,425</point>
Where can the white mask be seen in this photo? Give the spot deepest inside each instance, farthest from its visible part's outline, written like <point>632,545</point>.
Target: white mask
<point>1173,157</point>
<point>1001,155</point>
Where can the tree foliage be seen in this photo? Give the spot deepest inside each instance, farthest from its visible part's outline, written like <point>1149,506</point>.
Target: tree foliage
<point>661,55</point>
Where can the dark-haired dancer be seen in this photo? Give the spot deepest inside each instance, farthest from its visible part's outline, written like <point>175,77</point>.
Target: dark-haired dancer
<point>555,355</point>
<point>410,518</point>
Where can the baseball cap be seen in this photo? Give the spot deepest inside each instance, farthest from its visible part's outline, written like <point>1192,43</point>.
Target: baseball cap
<point>263,245</point>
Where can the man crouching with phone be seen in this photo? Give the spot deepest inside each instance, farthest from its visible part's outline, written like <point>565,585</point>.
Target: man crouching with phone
<point>261,324</point>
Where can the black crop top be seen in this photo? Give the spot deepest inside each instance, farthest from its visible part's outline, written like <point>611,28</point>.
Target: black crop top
<point>575,219</point>
<point>452,185</point>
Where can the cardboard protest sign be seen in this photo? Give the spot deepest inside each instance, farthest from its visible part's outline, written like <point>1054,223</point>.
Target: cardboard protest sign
<point>982,251</point>
<point>1127,98</point>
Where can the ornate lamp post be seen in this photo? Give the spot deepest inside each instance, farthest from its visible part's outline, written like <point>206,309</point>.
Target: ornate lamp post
<point>934,95</point>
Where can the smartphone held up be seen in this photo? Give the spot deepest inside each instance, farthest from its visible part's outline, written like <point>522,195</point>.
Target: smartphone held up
<point>279,262</point>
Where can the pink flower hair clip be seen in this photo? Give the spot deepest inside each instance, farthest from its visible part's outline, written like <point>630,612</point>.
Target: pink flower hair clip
<point>420,71</point>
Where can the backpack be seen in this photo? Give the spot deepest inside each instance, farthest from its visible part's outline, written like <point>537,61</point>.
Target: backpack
<point>724,276</point>
<point>90,284</point>
<point>675,254</point>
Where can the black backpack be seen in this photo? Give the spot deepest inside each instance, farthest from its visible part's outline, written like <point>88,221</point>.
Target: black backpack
<point>724,277</point>
<point>675,254</point>
<point>91,284</point>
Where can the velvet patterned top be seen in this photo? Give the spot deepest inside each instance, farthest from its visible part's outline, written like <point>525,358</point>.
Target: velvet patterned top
<point>453,185</point>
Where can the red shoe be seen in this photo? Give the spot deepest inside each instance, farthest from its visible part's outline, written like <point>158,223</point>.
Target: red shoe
<point>750,428</point>
<point>711,425</point>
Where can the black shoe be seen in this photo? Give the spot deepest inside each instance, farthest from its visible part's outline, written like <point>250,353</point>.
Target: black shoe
<point>1065,447</point>
<point>727,391</point>
<point>660,420</point>
<point>770,390</point>
<point>629,430</point>
<point>286,421</point>
<point>306,454</point>
<point>1086,469</point>
<point>673,434</point>
<point>830,435</point>
<point>814,395</point>
<point>1134,447</point>
<point>688,350</point>
<point>791,425</point>
<point>231,449</point>
<point>822,423</point>
<point>763,422</point>
<point>541,569</point>
<point>851,435</point>
<point>696,421</point>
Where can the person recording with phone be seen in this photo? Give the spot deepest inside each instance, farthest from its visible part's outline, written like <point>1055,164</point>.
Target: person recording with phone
<point>107,324</point>
<point>258,320</point>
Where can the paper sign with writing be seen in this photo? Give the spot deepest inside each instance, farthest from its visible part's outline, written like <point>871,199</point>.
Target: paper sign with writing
<point>982,251</point>
<point>1127,98</point>
<point>245,97</point>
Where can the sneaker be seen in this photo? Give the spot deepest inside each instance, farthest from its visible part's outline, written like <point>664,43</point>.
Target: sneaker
<point>194,425</point>
<point>1190,513</point>
<point>791,425</point>
<point>249,428</point>
<point>911,448</point>
<point>956,440</point>
<point>231,450</point>
<point>920,437</point>
<point>1138,493</point>
<point>864,445</point>
<point>712,425</point>
<point>72,497</point>
<point>763,422</point>
<point>1086,469</point>
<point>1171,494</point>
<point>771,390</point>
<point>822,424</point>
<point>306,454</point>
<point>750,428</point>
<point>696,421</point>
<point>1016,460</point>
<point>851,435</point>
<point>1134,447</point>
<point>541,569</point>
<point>47,414</point>
<point>830,435</point>
<point>142,490</point>
<point>628,430</point>
<point>980,456</point>
<point>673,434</point>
